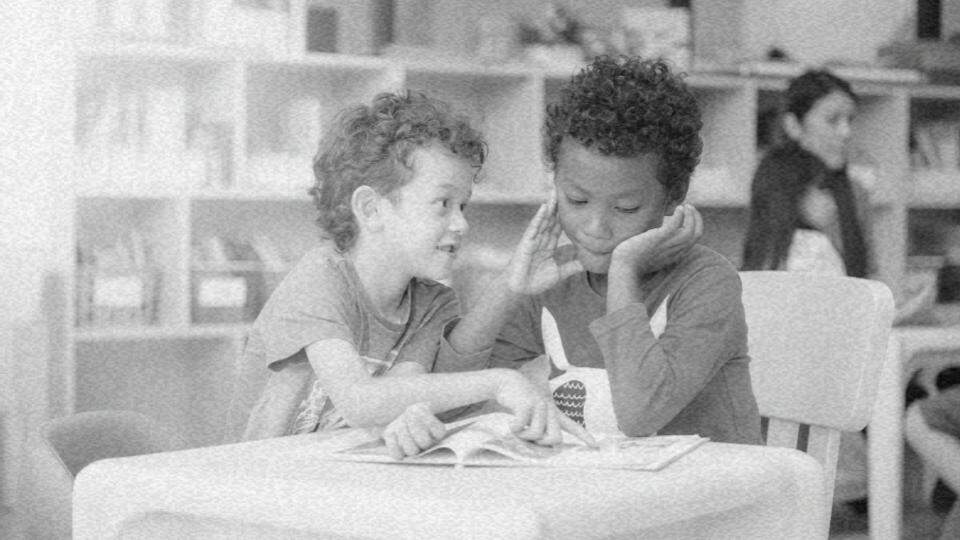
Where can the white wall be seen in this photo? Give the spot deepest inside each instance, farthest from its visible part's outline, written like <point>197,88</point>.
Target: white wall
<point>813,31</point>
<point>816,31</point>
<point>36,132</point>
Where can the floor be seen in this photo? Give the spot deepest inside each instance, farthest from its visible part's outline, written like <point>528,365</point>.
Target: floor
<point>921,520</point>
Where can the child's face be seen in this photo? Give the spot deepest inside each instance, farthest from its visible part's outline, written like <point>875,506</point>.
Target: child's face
<point>603,200</point>
<point>426,224</point>
<point>825,130</point>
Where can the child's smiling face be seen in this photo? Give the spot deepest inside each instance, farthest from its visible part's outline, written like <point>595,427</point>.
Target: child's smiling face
<point>603,200</point>
<point>426,224</point>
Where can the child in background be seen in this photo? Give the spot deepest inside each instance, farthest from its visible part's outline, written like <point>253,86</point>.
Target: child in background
<point>357,332</point>
<point>623,142</point>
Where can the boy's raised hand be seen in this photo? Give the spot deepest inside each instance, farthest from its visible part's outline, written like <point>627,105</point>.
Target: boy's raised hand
<point>415,430</point>
<point>664,245</point>
<point>534,267</point>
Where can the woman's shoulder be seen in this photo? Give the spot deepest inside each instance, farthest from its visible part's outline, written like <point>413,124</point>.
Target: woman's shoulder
<point>812,251</point>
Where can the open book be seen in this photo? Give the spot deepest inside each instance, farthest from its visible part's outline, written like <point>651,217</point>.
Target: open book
<point>486,440</point>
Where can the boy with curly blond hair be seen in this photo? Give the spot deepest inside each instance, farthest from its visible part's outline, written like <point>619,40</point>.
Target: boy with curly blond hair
<point>361,332</point>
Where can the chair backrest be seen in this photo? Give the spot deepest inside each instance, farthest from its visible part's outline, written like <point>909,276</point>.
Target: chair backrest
<point>817,346</point>
<point>61,447</point>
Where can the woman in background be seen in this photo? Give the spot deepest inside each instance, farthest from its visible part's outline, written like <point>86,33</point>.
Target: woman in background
<point>806,214</point>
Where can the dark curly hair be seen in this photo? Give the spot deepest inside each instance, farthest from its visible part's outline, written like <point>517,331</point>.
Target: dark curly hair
<point>371,145</point>
<point>627,107</point>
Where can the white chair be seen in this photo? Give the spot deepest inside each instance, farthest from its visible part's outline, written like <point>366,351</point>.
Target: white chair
<point>62,447</point>
<point>817,345</point>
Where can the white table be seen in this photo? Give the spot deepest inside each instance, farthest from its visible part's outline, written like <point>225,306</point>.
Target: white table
<point>908,345</point>
<point>283,488</point>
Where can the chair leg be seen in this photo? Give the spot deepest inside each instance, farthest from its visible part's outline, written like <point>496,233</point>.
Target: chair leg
<point>928,483</point>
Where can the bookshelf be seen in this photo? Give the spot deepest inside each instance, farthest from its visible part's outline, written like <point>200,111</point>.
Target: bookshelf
<point>183,144</point>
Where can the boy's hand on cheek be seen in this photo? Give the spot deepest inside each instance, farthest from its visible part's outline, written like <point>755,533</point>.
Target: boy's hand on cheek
<point>415,430</point>
<point>662,246</point>
<point>534,267</point>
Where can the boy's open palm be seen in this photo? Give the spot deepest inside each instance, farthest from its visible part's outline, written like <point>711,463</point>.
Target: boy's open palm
<point>654,249</point>
<point>534,267</point>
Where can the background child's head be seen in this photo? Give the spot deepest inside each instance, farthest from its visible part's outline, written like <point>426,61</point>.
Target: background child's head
<point>818,109</point>
<point>372,145</point>
<point>626,107</point>
<point>623,142</point>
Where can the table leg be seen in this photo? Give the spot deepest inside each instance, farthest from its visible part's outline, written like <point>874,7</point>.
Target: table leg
<point>885,449</point>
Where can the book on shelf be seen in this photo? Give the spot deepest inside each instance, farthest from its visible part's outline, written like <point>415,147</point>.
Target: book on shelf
<point>487,441</point>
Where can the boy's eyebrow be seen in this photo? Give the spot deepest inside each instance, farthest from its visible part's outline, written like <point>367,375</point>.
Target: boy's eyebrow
<point>581,189</point>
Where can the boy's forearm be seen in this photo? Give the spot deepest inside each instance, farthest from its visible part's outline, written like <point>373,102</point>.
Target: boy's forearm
<point>478,328</point>
<point>623,288</point>
<point>379,400</point>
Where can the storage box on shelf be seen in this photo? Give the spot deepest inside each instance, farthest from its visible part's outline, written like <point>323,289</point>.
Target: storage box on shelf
<point>231,293</point>
<point>109,297</point>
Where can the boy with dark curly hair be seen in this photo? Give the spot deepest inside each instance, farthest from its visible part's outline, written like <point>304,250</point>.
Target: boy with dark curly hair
<point>656,315</point>
<point>355,334</point>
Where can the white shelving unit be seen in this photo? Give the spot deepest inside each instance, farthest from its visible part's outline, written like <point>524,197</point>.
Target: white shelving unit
<point>213,157</point>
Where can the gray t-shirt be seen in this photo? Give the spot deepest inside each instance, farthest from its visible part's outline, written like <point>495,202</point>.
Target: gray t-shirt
<point>693,379</point>
<point>322,298</point>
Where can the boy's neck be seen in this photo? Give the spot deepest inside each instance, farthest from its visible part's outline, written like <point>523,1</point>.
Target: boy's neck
<point>380,279</point>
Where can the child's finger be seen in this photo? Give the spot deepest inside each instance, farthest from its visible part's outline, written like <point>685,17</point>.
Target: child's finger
<point>572,427</point>
<point>436,428</point>
<point>538,421</point>
<point>698,223</point>
<point>406,441</point>
<point>552,435</point>
<point>393,446</point>
<point>420,434</point>
<point>520,420</point>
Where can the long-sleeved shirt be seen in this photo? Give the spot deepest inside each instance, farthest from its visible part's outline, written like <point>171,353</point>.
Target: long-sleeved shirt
<point>693,379</point>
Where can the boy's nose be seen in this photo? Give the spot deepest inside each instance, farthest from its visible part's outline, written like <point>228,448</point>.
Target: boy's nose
<point>458,223</point>
<point>596,225</point>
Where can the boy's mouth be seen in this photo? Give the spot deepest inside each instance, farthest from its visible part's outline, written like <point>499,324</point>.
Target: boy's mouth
<point>452,249</point>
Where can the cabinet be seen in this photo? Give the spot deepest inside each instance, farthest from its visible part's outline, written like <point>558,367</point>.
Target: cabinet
<point>189,201</point>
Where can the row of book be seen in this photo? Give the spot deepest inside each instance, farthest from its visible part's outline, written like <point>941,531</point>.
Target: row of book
<point>936,145</point>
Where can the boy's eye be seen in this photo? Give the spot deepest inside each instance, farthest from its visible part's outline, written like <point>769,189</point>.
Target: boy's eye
<point>629,210</point>
<point>575,202</point>
<point>463,206</point>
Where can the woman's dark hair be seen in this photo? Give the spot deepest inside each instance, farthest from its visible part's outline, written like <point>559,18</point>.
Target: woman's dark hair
<point>627,107</point>
<point>782,180</point>
<point>805,90</point>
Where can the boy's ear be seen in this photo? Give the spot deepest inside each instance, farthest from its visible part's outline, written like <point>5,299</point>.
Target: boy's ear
<point>791,126</point>
<point>365,204</point>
